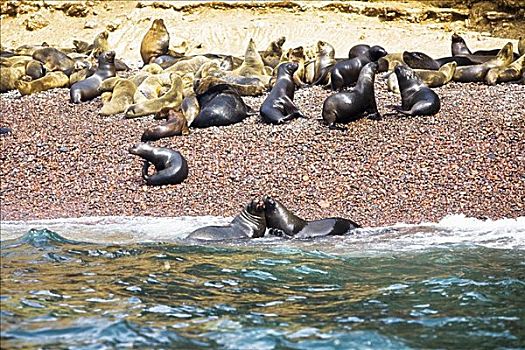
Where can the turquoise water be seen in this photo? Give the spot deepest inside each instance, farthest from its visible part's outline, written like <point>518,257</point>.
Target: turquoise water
<point>333,293</point>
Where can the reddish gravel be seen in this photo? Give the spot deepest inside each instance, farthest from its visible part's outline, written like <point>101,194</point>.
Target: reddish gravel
<point>65,160</point>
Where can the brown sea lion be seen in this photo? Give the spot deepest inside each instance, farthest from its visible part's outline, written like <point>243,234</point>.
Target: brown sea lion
<point>389,62</point>
<point>172,98</point>
<point>170,166</point>
<point>190,109</point>
<point>49,81</point>
<point>87,89</point>
<point>273,52</point>
<point>250,223</point>
<point>477,73</point>
<point>295,55</point>
<point>512,72</point>
<point>281,221</point>
<point>54,60</point>
<point>121,97</point>
<point>190,65</point>
<point>416,97</point>
<point>155,42</point>
<point>324,61</point>
<point>176,125</point>
<point>244,86</point>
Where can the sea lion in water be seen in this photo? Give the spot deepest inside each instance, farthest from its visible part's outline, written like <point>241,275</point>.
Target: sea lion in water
<point>172,98</point>
<point>345,73</point>
<point>155,42</point>
<point>512,72</point>
<point>279,220</point>
<point>278,107</point>
<point>347,106</point>
<point>220,105</point>
<point>431,78</point>
<point>175,126</point>
<point>323,64</point>
<point>54,60</point>
<point>49,81</point>
<point>121,97</point>
<point>87,89</point>
<point>477,73</point>
<point>416,97</point>
<point>250,223</point>
<point>170,166</point>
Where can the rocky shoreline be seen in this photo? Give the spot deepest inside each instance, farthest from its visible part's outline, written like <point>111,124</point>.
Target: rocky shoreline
<point>64,160</point>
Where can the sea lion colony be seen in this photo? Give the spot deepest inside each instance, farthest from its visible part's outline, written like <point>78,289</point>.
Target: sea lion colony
<point>206,90</point>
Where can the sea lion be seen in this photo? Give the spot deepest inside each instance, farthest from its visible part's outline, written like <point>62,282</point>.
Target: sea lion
<point>82,46</point>
<point>420,60</point>
<point>278,107</point>
<point>416,97</point>
<point>220,105</point>
<point>345,73</point>
<point>521,46</point>
<point>358,50</point>
<point>477,73</point>
<point>279,220</point>
<point>250,223</point>
<point>29,50</point>
<point>170,166</point>
<point>512,72</point>
<point>347,106</point>
<point>190,65</point>
<point>459,46</point>
<point>244,86</point>
<point>5,130</point>
<point>165,61</point>
<point>431,78</point>
<point>253,65</point>
<point>35,69</point>
<point>49,81</point>
<point>190,109</point>
<point>175,126</point>
<point>323,63</point>
<point>273,52</point>
<point>153,86</point>
<point>389,62</point>
<point>172,98</point>
<point>155,42</point>
<point>100,44</point>
<point>295,55</point>
<point>122,90</point>
<point>9,76</point>
<point>87,89</point>
<point>54,60</point>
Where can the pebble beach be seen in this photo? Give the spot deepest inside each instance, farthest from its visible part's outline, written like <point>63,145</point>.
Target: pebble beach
<point>64,160</point>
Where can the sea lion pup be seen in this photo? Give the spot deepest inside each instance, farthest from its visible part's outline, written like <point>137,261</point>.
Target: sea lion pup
<point>87,89</point>
<point>324,61</point>
<point>122,91</point>
<point>54,60</point>
<point>172,98</point>
<point>431,78</point>
<point>358,50</point>
<point>279,221</point>
<point>416,97</point>
<point>170,166</point>
<point>273,52</point>
<point>253,65</point>
<point>49,81</point>
<point>477,73</point>
<point>250,223</point>
<point>345,73</point>
<point>175,126</point>
<point>511,72</point>
<point>278,107</point>
<point>347,106</point>
<point>155,42</point>
<point>220,105</point>
<point>35,69</point>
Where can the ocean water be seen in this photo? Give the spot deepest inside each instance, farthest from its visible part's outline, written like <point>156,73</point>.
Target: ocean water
<point>121,282</point>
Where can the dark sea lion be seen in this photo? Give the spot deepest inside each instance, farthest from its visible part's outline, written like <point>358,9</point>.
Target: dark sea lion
<point>358,50</point>
<point>29,50</point>
<point>35,69</point>
<point>521,46</point>
<point>170,166</point>
<point>278,107</point>
<point>477,73</point>
<point>49,81</point>
<point>280,219</point>
<point>122,90</point>
<point>347,106</point>
<point>250,223</point>
<point>82,46</point>
<point>87,89</point>
<point>220,105</point>
<point>165,61</point>
<point>416,97</point>
<point>273,52</point>
<point>175,126</point>
<point>459,46</point>
<point>431,78</point>
<point>5,130</point>
<point>420,60</point>
<point>156,41</point>
<point>512,72</point>
<point>54,60</point>
<point>345,73</point>
<point>324,62</point>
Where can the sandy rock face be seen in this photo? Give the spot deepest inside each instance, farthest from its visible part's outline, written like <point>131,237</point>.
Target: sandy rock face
<point>35,22</point>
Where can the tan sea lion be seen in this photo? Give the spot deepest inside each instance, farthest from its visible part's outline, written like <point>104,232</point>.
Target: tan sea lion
<point>28,50</point>
<point>273,52</point>
<point>172,98</point>
<point>477,73</point>
<point>512,72</point>
<point>54,60</point>
<point>390,61</point>
<point>190,65</point>
<point>100,44</point>
<point>244,86</point>
<point>324,61</point>
<point>49,81</point>
<point>432,78</point>
<point>190,108</point>
<point>121,97</point>
<point>9,76</point>
<point>153,86</point>
<point>10,61</point>
<point>155,42</point>
<point>253,65</point>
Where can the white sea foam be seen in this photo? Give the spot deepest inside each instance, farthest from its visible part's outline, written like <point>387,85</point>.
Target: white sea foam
<point>452,230</point>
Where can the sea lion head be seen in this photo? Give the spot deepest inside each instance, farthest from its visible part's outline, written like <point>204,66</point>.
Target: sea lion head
<point>281,41</point>
<point>376,52</point>
<point>277,216</point>
<point>506,54</point>
<point>297,52</point>
<point>102,36</point>
<point>106,57</point>
<point>419,60</point>
<point>325,49</point>
<point>139,148</point>
<point>254,214</point>
<point>371,68</point>
<point>158,24</point>
<point>457,39</point>
<point>405,76</point>
<point>288,68</point>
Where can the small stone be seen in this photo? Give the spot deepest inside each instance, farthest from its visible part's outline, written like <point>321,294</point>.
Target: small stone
<point>306,177</point>
<point>324,204</point>
<point>90,24</point>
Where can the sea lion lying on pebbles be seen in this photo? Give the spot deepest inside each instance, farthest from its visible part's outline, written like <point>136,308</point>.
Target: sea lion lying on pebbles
<point>416,97</point>
<point>87,89</point>
<point>176,125</point>
<point>122,92</point>
<point>512,72</point>
<point>280,221</point>
<point>170,166</point>
<point>477,73</point>
<point>49,81</point>
<point>250,223</point>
